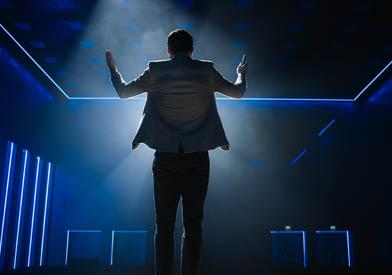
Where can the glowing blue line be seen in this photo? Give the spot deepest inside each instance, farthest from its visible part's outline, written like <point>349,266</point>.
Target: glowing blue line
<point>35,62</point>
<point>25,157</point>
<point>66,248</point>
<point>131,231</point>
<point>348,249</point>
<point>299,156</point>
<point>6,195</point>
<point>33,215</point>
<point>331,232</point>
<point>226,98</point>
<point>45,210</point>
<point>84,231</point>
<point>286,232</point>
<point>326,127</point>
<point>304,248</point>
<point>371,82</point>
<point>112,249</point>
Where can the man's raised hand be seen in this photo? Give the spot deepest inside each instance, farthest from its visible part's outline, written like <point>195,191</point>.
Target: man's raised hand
<point>243,66</point>
<point>110,61</point>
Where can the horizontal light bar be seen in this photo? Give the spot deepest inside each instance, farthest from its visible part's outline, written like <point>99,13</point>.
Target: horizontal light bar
<point>225,98</point>
<point>287,232</point>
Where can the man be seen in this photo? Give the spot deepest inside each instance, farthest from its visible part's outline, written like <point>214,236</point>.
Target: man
<point>181,122</point>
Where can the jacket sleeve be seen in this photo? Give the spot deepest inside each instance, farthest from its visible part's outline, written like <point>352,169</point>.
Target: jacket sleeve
<point>132,88</point>
<point>226,87</point>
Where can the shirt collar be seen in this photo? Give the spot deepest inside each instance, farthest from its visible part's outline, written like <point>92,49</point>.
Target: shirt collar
<point>180,55</point>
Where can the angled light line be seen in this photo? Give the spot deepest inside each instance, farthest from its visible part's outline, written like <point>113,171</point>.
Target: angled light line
<point>371,82</point>
<point>35,62</point>
<point>33,215</point>
<point>299,156</point>
<point>10,160</point>
<point>25,157</point>
<point>45,213</point>
<point>326,127</point>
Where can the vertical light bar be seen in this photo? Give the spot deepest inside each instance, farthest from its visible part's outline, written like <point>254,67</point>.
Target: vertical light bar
<point>348,248</point>
<point>45,214</point>
<point>7,184</point>
<point>112,249</point>
<point>33,214</point>
<point>304,248</point>
<point>66,248</point>
<point>21,198</point>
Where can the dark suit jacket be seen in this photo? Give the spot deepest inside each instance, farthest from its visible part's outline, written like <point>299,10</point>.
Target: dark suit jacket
<point>181,104</point>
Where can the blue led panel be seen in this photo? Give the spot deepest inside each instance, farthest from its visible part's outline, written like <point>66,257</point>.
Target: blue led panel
<point>83,245</point>
<point>333,248</point>
<point>128,247</point>
<point>289,248</point>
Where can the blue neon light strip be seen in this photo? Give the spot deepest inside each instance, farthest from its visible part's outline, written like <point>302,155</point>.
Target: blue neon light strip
<point>326,127</point>
<point>221,98</point>
<point>225,98</point>
<point>304,248</point>
<point>347,235</point>
<point>131,231</point>
<point>301,232</point>
<point>348,248</point>
<point>122,231</point>
<point>35,62</point>
<point>7,184</point>
<point>45,214</point>
<point>33,214</point>
<point>73,231</point>
<point>21,199</point>
<point>294,161</point>
<point>374,79</point>
<point>112,249</point>
<point>286,232</point>
<point>66,248</point>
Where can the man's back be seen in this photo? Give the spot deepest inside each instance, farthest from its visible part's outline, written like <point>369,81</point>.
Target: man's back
<point>181,105</point>
<point>182,91</point>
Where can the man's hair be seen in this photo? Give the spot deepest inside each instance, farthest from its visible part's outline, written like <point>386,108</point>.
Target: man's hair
<point>180,41</point>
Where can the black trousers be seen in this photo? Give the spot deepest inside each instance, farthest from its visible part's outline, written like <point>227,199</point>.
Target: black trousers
<point>185,176</point>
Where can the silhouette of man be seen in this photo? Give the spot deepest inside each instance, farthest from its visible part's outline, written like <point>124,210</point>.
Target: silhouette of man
<point>181,122</point>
